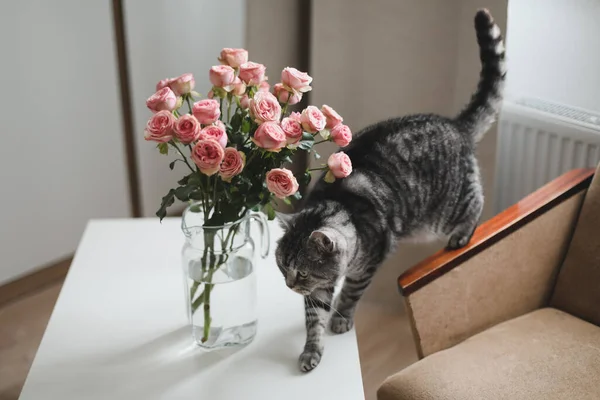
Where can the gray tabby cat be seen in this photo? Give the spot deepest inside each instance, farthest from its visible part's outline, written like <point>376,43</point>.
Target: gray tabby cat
<point>411,176</point>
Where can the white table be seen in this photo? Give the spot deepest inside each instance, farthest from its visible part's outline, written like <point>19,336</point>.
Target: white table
<point>119,331</point>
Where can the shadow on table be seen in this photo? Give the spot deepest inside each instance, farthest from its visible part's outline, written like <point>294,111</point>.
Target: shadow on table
<point>145,371</point>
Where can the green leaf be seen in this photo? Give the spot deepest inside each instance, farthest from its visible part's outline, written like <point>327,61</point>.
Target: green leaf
<point>183,181</point>
<point>183,192</point>
<point>307,136</point>
<point>306,144</point>
<point>246,125</point>
<point>236,123</point>
<point>163,148</point>
<point>194,179</point>
<point>307,177</point>
<point>172,164</point>
<point>287,201</point>
<point>288,159</point>
<point>268,209</point>
<point>297,196</point>
<point>196,208</point>
<point>166,202</point>
<point>317,155</point>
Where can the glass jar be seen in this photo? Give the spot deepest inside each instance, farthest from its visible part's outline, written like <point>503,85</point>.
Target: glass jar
<point>220,281</point>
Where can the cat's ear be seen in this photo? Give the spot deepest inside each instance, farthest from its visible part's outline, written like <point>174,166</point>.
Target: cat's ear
<point>323,241</point>
<point>285,220</point>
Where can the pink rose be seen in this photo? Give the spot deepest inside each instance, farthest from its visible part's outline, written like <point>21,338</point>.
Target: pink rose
<point>283,94</point>
<point>332,117</point>
<point>216,133</point>
<point>232,165</point>
<point>341,135</point>
<point>183,84</point>
<point>160,127</point>
<point>296,116</point>
<point>281,182</point>
<point>339,164</point>
<point>222,76</point>
<point>245,102</point>
<point>164,99</point>
<point>163,83</point>
<point>252,73</point>
<point>292,129</point>
<point>269,136</point>
<point>294,79</point>
<point>187,129</point>
<point>207,155</point>
<point>239,87</point>
<point>206,111</point>
<point>265,107</point>
<point>264,86</point>
<point>233,57</point>
<point>312,119</point>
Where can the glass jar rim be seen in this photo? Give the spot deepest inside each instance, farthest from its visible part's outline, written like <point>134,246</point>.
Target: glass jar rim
<point>215,227</point>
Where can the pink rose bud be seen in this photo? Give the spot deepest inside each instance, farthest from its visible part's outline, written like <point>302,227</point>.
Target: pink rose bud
<point>312,119</point>
<point>245,102</point>
<point>292,129</point>
<point>283,94</point>
<point>187,129</point>
<point>164,99</point>
<point>207,154</point>
<point>332,117</point>
<point>239,87</point>
<point>281,182</point>
<point>233,57</point>
<point>252,73</point>
<point>160,127</point>
<point>163,83</point>
<point>339,164</point>
<point>296,116</point>
<point>265,107</point>
<point>222,76</point>
<point>341,135</point>
<point>214,132</point>
<point>294,79</point>
<point>232,165</point>
<point>269,136</point>
<point>183,84</point>
<point>206,111</point>
<point>264,86</point>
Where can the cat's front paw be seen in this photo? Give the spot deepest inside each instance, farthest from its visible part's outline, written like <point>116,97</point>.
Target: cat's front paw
<point>309,360</point>
<point>339,324</point>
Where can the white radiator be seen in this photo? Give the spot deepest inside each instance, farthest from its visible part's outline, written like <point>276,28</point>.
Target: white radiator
<point>537,142</point>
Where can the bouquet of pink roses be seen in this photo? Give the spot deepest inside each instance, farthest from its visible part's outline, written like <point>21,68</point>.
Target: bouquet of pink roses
<point>236,141</point>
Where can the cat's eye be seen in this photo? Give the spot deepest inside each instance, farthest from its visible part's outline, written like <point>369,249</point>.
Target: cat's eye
<point>303,274</point>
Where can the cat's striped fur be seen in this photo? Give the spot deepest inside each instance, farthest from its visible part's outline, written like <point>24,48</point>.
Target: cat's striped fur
<point>411,176</point>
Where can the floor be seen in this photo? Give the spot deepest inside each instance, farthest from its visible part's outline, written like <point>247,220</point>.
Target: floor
<point>384,338</point>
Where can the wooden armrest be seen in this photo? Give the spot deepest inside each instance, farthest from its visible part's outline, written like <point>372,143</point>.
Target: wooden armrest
<point>500,226</point>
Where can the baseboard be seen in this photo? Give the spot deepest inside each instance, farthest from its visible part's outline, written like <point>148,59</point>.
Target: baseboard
<point>45,276</point>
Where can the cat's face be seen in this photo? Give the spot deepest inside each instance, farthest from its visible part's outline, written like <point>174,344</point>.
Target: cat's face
<point>308,259</point>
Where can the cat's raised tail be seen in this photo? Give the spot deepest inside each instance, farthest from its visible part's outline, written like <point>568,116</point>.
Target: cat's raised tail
<point>481,112</point>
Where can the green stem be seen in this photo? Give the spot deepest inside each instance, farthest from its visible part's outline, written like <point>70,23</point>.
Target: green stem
<point>286,106</point>
<point>189,103</point>
<point>198,302</point>
<point>320,141</point>
<point>229,107</point>
<point>318,169</point>
<point>172,143</point>
<point>221,108</point>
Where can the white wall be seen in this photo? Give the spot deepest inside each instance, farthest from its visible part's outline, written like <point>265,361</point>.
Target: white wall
<point>61,155</point>
<point>553,51</point>
<point>167,38</point>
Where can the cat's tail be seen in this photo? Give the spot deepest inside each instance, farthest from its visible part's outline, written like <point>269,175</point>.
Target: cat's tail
<point>481,112</point>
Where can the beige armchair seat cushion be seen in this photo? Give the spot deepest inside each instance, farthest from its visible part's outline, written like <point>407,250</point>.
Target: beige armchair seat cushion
<point>546,355</point>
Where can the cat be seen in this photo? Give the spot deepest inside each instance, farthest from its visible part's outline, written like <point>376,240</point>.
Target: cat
<point>411,175</point>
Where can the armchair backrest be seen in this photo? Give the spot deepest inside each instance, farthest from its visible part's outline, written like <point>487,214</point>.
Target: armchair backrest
<point>577,289</point>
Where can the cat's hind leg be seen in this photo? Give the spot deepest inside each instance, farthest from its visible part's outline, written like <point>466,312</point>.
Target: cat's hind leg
<point>467,217</point>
